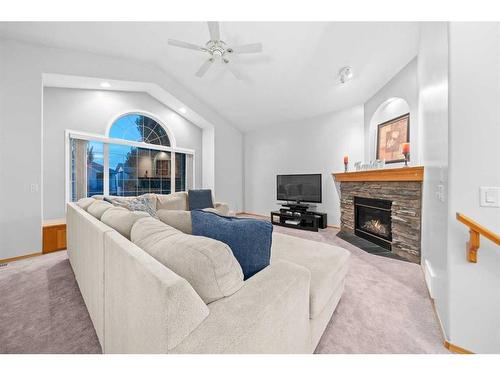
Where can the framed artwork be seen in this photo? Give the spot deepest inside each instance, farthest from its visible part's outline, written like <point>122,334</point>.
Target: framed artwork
<point>390,136</point>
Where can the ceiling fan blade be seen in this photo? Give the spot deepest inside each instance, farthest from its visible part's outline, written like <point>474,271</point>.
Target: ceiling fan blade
<point>180,43</point>
<point>213,29</point>
<point>232,69</point>
<point>204,67</point>
<point>248,48</point>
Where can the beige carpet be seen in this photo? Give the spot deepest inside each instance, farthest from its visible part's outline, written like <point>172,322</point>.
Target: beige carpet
<point>385,307</point>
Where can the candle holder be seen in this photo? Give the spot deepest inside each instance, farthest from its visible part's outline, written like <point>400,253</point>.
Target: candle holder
<point>407,158</point>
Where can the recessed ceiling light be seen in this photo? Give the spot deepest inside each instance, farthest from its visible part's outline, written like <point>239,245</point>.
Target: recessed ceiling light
<point>105,85</point>
<point>182,110</point>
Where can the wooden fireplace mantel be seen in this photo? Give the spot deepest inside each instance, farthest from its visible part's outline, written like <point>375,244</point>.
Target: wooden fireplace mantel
<point>389,174</point>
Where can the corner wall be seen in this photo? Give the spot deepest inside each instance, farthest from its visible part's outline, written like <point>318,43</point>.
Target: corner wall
<point>474,157</point>
<point>314,145</point>
<point>23,65</point>
<point>402,85</point>
<point>433,117</point>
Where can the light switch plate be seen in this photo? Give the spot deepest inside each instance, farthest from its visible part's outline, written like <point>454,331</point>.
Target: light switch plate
<point>440,192</point>
<point>489,196</point>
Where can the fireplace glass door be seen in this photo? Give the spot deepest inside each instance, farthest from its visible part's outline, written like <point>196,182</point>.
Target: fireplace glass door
<point>372,219</point>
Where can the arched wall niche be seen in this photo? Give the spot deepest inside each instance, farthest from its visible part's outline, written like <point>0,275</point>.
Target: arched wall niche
<point>389,109</point>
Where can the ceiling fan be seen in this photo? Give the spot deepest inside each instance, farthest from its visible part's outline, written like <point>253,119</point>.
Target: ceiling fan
<point>217,50</point>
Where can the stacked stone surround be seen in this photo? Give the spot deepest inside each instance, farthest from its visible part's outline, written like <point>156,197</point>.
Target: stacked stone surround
<point>406,197</point>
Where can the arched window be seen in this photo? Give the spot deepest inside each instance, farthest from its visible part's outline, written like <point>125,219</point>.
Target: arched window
<point>139,128</point>
<point>136,157</point>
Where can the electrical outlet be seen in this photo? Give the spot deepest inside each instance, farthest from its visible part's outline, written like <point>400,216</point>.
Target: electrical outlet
<point>34,188</point>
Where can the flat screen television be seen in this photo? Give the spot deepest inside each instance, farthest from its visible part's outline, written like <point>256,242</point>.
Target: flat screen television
<point>299,187</point>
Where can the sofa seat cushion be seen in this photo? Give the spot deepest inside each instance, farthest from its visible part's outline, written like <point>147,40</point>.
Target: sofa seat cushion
<point>208,265</point>
<point>328,265</point>
<point>174,201</point>
<point>98,208</point>
<point>249,239</point>
<point>121,219</point>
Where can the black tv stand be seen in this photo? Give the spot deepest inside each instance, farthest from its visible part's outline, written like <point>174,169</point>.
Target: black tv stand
<point>296,215</point>
<point>297,207</point>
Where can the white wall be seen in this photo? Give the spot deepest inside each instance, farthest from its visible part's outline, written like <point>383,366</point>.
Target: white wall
<point>474,161</point>
<point>433,126</point>
<point>21,120</point>
<point>403,85</point>
<point>92,111</point>
<point>314,145</point>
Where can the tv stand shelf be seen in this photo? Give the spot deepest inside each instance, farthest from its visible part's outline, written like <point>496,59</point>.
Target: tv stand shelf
<point>305,220</point>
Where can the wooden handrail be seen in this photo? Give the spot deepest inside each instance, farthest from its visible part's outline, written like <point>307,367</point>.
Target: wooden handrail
<point>476,230</point>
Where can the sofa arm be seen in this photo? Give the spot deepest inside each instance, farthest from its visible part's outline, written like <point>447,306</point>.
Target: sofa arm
<point>148,308</point>
<point>221,208</point>
<point>269,314</point>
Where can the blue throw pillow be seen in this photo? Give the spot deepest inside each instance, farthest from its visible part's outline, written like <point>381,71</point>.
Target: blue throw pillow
<point>249,239</point>
<point>200,199</point>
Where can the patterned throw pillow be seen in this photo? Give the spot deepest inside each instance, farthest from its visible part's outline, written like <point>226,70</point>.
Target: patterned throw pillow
<point>144,203</point>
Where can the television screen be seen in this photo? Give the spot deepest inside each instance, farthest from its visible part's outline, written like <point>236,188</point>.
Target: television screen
<point>299,188</point>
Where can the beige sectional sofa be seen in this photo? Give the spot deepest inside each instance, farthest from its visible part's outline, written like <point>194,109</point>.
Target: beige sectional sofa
<point>150,288</point>
<point>173,209</point>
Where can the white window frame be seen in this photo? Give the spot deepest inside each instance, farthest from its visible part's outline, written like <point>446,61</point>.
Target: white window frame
<point>74,134</point>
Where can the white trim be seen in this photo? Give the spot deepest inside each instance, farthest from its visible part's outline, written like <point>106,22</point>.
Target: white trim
<point>67,163</point>
<point>105,169</point>
<point>101,138</point>
<point>194,172</point>
<point>68,134</point>
<point>173,168</point>
<point>171,137</point>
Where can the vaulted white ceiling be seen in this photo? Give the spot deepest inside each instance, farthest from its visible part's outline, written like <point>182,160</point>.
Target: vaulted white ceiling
<point>294,78</point>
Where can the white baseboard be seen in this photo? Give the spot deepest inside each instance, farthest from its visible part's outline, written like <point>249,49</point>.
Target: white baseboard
<point>430,277</point>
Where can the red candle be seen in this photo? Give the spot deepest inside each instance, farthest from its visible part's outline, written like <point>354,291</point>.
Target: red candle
<point>346,159</point>
<point>405,148</point>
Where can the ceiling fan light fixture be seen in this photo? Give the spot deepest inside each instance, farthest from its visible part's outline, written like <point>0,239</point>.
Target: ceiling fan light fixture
<point>217,50</point>
<point>345,74</point>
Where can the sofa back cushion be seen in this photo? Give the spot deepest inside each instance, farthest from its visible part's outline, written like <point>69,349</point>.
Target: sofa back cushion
<point>208,265</point>
<point>121,219</point>
<point>180,220</point>
<point>249,239</point>
<point>98,208</point>
<point>174,201</point>
<point>84,203</point>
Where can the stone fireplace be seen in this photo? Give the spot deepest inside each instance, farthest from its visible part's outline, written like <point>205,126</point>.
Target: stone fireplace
<point>384,206</point>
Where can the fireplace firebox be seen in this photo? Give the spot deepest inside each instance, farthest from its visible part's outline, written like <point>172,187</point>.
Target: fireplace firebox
<point>372,221</point>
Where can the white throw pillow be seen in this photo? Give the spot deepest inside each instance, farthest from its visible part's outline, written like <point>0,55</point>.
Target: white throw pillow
<point>208,265</point>
<point>145,202</point>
